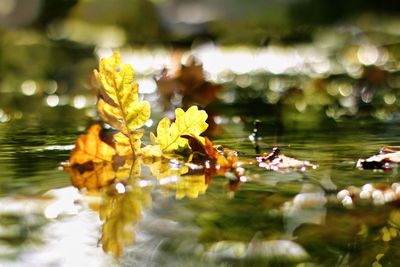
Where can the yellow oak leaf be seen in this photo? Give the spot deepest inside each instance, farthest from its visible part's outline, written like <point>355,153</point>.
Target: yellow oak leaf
<point>169,135</point>
<point>119,103</point>
<point>123,143</point>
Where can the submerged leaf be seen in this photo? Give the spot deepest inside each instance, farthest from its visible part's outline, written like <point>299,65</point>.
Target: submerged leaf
<point>119,104</point>
<point>169,136</point>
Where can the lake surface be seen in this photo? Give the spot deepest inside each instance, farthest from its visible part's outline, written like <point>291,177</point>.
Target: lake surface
<point>271,219</point>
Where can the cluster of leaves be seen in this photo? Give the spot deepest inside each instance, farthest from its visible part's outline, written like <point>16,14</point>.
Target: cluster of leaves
<point>104,162</point>
<point>120,107</point>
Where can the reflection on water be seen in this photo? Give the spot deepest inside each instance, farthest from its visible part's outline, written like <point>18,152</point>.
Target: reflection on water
<point>272,218</point>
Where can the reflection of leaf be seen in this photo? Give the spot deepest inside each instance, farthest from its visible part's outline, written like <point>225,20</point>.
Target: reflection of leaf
<point>121,213</point>
<point>119,104</point>
<point>190,186</point>
<point>163,167</point>
<point>192,122</point>
<point>91,176</point>
<point>90,147</point>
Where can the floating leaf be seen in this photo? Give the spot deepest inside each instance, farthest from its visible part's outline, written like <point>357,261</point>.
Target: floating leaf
<point>192,122</point>
<point>221,160</point>
<point>204,148</point>
<point>91,162</point>
<point>95,164</point>
<point>387,158</point>
<point>119,104</point>
<point>278,162</point>
<point>90,148</point>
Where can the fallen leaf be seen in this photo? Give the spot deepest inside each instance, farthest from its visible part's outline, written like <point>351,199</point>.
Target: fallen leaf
<point>119,103</point>
<point>387,158</point>
<point>276,161</point>
<point>169,135</point>
<point>90,148</point>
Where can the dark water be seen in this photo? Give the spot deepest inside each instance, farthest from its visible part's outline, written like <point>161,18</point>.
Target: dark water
<point>271,219</point>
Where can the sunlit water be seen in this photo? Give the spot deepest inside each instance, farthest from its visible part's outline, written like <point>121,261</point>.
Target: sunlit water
<point>272,219</point>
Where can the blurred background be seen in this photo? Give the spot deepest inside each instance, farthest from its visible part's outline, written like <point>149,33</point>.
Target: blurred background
<point>329,60</point>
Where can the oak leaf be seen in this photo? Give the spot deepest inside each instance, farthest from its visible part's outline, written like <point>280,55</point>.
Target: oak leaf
<point>90,148</point>
<point>91,162</point>
<point>206,151</point>
<point>119,103</point>
<point>169,135</point>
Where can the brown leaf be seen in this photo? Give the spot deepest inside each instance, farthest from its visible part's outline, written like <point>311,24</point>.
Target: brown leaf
<point>189,84</point>
<point>276,161</point>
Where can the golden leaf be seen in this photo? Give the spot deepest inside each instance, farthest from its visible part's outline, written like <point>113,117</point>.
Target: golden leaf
<point>192,122</point>
<point>123,143</point>
<point>90,147</point>
<point>119,104</point>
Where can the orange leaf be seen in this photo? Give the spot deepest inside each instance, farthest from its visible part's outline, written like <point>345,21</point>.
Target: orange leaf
<point>90,147</point>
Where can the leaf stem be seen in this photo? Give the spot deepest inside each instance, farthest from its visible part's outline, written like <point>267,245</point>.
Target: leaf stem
<point>117,90</point>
